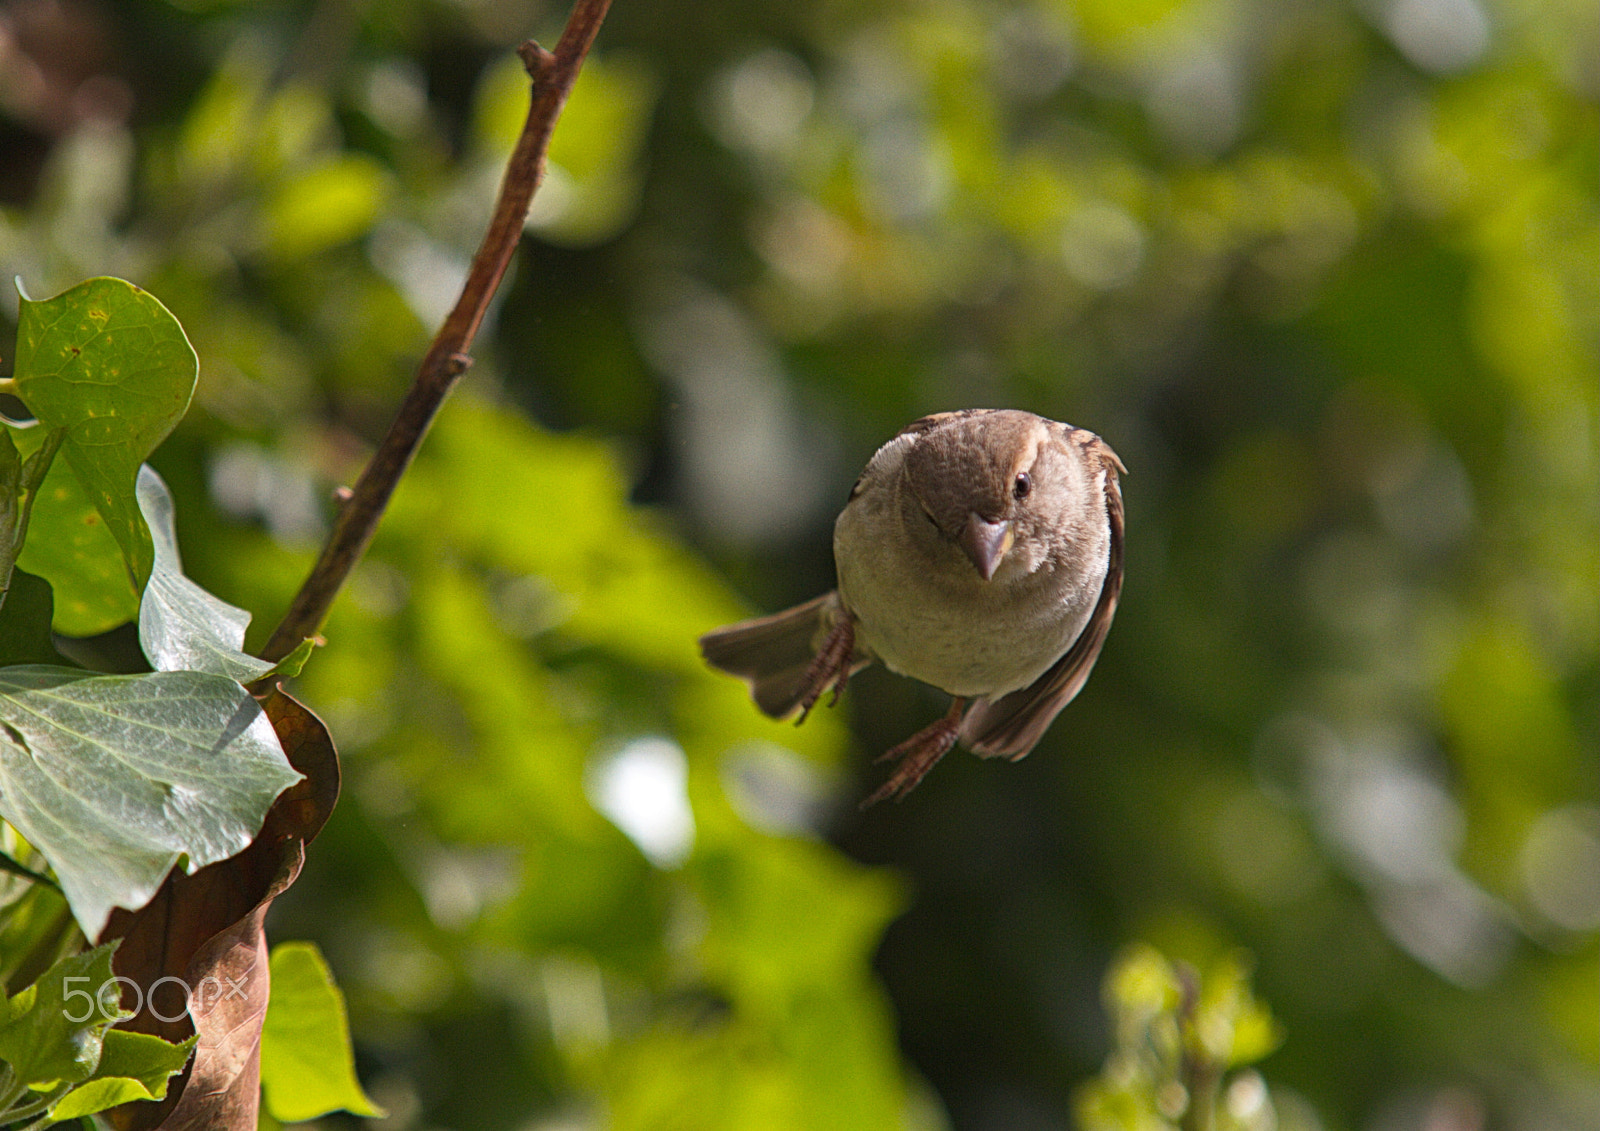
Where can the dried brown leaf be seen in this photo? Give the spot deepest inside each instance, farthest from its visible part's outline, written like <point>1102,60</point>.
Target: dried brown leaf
<point>198,953</point>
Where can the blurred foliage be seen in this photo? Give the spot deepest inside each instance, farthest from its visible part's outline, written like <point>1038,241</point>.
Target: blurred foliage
<point>1180,1043</point>
<point>1323,275</point>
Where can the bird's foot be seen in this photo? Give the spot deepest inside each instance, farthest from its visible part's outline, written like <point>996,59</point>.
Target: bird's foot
<point>831,665</point>
<point>919,754</point>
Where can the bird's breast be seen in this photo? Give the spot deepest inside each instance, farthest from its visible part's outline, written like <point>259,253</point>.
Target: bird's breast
<point>932,617</point>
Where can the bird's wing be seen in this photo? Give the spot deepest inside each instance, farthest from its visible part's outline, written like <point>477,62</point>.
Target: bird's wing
<point>773,654</point>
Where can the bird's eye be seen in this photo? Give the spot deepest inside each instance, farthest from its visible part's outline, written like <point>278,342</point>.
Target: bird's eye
<point>1022,486</point>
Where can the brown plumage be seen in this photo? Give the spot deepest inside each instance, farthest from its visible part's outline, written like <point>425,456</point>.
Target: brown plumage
<point>981,552</point>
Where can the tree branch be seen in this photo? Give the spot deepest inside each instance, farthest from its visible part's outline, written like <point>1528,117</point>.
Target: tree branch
<point>553,76</point>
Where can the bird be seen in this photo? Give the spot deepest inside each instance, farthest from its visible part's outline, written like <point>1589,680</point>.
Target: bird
<point>981,552</point>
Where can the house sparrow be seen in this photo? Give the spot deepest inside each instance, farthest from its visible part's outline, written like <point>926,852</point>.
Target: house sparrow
<point>980,552</point>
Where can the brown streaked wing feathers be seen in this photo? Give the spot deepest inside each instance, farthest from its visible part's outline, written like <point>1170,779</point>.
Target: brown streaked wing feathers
<point>772,653</point>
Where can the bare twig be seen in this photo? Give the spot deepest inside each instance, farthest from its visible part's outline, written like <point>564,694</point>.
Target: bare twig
<point>1199,1074</point>
<point>447,358</point>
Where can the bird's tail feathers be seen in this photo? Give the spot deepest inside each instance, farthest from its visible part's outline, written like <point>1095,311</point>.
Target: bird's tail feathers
<point>773,654</point>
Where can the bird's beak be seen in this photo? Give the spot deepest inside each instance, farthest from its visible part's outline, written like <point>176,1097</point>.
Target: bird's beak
<point>985,543</point>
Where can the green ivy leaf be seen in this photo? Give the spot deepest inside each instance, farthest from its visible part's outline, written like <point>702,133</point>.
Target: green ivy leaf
<point>307,1068</point>
<point>52,1031</point>
<point>113,778</point>
<point>70,546</point>
<point>133,1066</point>
<point>106,362</point>
<point>181,626</point>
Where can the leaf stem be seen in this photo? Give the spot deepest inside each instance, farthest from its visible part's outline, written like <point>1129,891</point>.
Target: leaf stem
<point>553,76</point>
<point>8,864</point>
<point>33,473</point>
<point>37,1107</point>
<point>34,469</point>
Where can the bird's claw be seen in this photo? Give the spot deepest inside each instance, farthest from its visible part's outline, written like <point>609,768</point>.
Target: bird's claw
<point>918,754</point>
<point>830,666</point>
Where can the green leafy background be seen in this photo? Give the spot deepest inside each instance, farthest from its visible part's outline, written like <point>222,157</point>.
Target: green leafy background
<point>1323,277</point>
